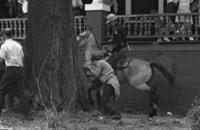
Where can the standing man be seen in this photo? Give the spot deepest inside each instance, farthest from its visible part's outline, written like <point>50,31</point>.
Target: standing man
<point>77,7</point>
<point>171,7</point>
<point>12,81</point>
<point>119,35</point>
<point>24,4</point>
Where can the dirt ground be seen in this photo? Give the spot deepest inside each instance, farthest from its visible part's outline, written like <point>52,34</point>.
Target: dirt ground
<point>89,121</point>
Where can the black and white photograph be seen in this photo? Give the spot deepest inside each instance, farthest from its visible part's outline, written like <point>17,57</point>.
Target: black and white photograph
<point>99,64</point>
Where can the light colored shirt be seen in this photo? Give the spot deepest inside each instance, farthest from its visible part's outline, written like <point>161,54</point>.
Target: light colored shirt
<point>25,6</point>
<point>103,70</point>
<point>11,51</point>
<point>184,6</point>
<point>106,74</point>
<point>77,3</point>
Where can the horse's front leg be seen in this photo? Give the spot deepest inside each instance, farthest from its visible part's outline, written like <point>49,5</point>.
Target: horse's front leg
<point>89,92</point>
<point>98,97</point>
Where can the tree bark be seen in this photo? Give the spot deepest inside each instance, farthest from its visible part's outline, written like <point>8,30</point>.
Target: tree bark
<point>51,62</point>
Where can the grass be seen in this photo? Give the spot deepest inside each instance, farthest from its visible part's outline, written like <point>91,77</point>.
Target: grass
<point>92,121</point>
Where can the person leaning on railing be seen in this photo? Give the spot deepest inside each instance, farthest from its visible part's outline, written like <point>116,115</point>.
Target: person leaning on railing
<point>171,7</point>
<point>185,22</point>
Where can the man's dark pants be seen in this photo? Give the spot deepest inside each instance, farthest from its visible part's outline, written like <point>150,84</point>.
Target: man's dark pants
<point>108,92</point>
<point>12,83</point>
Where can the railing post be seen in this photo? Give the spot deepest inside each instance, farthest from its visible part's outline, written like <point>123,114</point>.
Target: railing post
<point>95,17</point>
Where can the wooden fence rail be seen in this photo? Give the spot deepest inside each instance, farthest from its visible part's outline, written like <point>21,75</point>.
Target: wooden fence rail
<point>139,27</point>
<point>19,26</point>
<point>156,26</point>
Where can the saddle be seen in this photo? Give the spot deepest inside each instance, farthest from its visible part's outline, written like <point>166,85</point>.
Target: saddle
<point>120,62</point>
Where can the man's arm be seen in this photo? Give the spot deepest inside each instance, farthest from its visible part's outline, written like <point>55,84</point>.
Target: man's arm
<point>96,70</point>
<point>2,53</point>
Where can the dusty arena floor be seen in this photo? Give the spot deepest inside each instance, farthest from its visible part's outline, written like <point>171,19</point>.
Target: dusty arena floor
<point>88,121</point>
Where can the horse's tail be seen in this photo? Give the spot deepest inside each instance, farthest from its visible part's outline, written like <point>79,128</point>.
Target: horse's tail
<point>165,72</point>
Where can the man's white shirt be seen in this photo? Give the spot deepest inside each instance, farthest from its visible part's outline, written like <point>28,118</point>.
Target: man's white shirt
<point>11,51</point>
<point>25,6</point>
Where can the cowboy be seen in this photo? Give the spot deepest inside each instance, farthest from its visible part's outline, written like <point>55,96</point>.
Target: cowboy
<point>119,37</point>
<point>12,81</point>
<point>118,40</point>
<point>102,71</point>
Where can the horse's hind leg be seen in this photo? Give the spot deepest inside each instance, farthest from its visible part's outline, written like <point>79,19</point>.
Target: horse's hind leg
<point>153,101</point>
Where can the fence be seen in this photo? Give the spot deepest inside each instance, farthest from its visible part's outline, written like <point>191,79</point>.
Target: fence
<point>145,27</point>
<point>19,26</point>
<point>155,26</point>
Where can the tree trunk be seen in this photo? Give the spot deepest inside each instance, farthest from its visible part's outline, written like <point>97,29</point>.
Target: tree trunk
<point>51,62</point>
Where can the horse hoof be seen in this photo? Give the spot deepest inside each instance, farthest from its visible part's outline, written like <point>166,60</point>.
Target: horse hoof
<point>150,119</point>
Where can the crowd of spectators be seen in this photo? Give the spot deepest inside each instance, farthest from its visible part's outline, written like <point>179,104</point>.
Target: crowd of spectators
<point>13,8</point>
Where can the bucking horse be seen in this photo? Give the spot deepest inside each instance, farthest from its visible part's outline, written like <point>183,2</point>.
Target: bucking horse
<point>139,74</point>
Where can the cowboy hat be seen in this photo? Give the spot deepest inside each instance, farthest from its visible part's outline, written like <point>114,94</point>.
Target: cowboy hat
<point>110,18</point>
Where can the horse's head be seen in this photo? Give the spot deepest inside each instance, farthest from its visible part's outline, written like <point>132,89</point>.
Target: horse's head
<point>82,38</point>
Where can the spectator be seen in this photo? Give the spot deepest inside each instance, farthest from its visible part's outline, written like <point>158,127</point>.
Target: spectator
<point>185,22</point>
<point>77,7</point>
<point>4,9</point>
<point>113,4</point>
<point>171,7</point>
<point>24,4</point>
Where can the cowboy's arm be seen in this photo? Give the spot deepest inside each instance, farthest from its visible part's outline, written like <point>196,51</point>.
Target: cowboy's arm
<point>2,53</point>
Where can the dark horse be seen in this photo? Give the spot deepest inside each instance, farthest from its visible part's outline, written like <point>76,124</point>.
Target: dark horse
<point>137,73</point>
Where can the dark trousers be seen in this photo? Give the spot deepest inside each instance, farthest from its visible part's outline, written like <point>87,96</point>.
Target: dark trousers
<point>171,8</point>
<point>12,83</point>
<point>117,56</point>
<point>108,92</point>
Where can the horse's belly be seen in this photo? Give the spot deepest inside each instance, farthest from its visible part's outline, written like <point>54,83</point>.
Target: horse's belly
<point>141,76</point>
